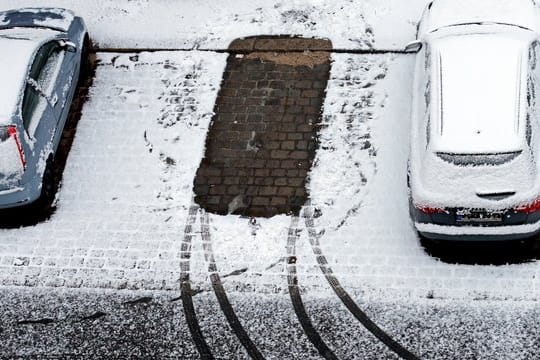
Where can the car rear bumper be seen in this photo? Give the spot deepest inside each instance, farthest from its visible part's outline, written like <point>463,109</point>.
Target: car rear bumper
<point>18,197</point>
<point>477,233</point>
<point>514,226</point>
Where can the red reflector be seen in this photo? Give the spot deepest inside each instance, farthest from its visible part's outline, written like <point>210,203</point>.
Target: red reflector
<point>12,132</point>
<point>529,208</point>
<point>430,210</point>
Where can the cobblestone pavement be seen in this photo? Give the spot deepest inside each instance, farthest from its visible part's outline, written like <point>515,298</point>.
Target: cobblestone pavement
<point>117,218</point>
<point>123,205</point>
<point>262,140</point>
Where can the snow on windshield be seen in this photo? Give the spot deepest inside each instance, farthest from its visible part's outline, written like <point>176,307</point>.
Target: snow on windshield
<point>17,47</point>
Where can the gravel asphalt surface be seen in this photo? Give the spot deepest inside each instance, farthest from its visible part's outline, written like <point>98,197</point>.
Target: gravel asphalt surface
<point>61,323</point>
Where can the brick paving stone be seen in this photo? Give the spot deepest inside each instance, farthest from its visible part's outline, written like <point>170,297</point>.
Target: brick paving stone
<point>265,128</point>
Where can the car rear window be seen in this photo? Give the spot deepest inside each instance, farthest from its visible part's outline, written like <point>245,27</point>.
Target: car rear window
<point>478,159</point>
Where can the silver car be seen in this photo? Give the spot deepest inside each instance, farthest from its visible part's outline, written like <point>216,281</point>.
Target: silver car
<point>474,156</point>
<point>43,52</point>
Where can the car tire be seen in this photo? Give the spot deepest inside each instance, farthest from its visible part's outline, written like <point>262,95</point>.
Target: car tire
<point>48,185</point>
<point>86,66</point>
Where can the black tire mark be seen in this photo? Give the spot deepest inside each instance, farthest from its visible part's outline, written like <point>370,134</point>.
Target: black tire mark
<point>43,321</point>
<point>296,299</point>
<point>221,295</point>
<point>345,298</point>
<point>185,287</point>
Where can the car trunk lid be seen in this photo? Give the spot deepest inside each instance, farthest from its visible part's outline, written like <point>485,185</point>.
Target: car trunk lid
<point>12,161</point>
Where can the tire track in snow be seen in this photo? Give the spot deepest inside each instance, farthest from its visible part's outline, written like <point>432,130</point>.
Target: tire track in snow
<point>296,299</point>
<point>185,287</point>
<point>345,298</point>
<point>221,295</point>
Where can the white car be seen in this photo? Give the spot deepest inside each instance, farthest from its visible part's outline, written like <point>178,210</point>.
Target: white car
<point>474,156</point>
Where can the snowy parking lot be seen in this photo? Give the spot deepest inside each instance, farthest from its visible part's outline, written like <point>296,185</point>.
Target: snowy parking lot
<point>126,226</point>
<point>128,186</point>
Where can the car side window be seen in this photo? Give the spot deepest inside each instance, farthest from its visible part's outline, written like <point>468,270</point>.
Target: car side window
<point>50,62</point>
<point>40,84</point>
<point>533,84</point>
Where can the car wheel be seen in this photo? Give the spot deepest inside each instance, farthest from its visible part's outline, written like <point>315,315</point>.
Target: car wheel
<point>86,66</point>
<point>48,185</point>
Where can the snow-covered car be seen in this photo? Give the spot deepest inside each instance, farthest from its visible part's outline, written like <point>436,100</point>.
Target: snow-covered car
<point>474,162</point>
<point>43,52</point>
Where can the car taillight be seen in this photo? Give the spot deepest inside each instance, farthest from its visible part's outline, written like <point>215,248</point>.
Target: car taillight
<point>430,210</point>
<point>10,132</point>
<point>529,208</point>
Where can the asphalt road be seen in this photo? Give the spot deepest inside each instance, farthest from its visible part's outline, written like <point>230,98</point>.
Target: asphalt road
<point>114,324</point>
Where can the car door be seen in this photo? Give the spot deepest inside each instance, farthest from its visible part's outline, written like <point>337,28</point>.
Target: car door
<point>65,84</point>
<point>55,81</point>
<point>38,116</point>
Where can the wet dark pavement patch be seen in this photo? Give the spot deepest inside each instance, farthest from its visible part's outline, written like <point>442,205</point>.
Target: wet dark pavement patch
<point>262,140</point>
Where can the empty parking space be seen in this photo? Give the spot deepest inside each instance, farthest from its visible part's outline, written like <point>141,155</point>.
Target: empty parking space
<point>262,140</point>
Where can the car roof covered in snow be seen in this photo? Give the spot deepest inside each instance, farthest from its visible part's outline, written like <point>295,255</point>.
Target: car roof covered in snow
<point>442,13</point>
<point>17,47</point>
<point>479,86</point>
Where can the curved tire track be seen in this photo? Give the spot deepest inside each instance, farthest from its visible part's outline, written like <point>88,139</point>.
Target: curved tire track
<point>345,298</point>
<point>185,287</point>
<point>221,295</point>
<point>296,299</point>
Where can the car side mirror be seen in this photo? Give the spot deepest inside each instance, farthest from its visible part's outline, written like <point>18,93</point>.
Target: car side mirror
<point>67,45</point>
<point>413,47</point>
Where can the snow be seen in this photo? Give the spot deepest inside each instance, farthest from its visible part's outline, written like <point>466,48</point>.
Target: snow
<point>122,204</point>
<point>11,168</point>
<point>128,180</point>
<point>18,47</point>
<point>498,230</point>
<point>525,13</point>
<point>127,185</point>
<point>483,82</point>
<point>448,184</point>
<point>477,105</point>
<point>192,24</point>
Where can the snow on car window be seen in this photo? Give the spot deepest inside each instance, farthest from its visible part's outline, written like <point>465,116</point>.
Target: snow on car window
<point>34,105</point>
<point>37,114</point>
<point>48,72</point>
<point>479,159</point>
